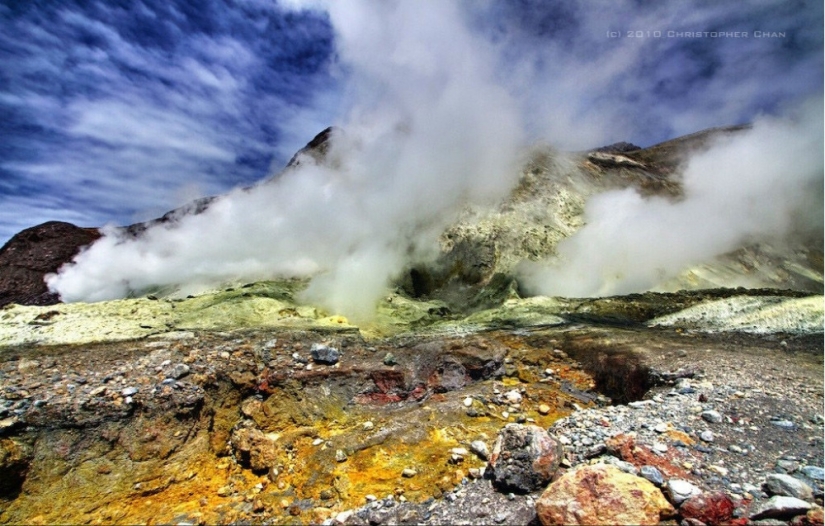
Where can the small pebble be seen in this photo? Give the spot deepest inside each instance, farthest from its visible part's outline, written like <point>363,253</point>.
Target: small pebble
<point>660,428</point>
<point>480,448</point>
<point>712,416</point>
<point>513,396</point>
<point>784,424</point>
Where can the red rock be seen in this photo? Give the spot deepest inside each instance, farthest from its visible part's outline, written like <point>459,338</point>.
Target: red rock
<point>387,380</point>
<point>710,508</point>
<point>602,494</point>
<point>624,446</point>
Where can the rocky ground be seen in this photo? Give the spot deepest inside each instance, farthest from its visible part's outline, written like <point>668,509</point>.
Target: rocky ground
<point>329,424</point>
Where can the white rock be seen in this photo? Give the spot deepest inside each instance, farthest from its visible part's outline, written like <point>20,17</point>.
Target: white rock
<point>780,507</point>
<point>480,448</point>
<point>660,428</point>
<point>679,490</point>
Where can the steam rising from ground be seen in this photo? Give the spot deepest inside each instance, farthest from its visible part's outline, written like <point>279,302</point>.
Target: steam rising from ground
<point>747,186</point>
<point>432,125</point>
<point>416,148</point>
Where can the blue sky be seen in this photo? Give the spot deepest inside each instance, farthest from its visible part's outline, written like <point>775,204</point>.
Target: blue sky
<point>120,111</point>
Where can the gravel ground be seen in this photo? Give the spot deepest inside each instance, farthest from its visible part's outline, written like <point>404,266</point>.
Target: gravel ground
<point>724,411</point>
<point>728,411</point>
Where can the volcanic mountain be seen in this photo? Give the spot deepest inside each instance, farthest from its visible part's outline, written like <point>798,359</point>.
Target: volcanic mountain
<point>545,207</point>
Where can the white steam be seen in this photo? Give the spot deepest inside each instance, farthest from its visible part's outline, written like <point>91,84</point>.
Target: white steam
<point>428,129</point>
<point>747,186</point>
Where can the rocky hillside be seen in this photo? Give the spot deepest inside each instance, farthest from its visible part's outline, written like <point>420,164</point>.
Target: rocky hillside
<point>31,254</point>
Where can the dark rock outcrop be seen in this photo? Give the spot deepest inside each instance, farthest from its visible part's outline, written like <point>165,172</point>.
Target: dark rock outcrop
<point>31,254</point>
<point>619,147</point>
<point>317,148</point>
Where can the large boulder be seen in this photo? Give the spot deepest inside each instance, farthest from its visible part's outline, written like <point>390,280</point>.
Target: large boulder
<point>524,459</point>
<point>602,494</point>
<point>31,254</point>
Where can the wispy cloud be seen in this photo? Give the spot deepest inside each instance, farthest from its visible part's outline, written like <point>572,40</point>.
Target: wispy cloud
<point>115,109</point>
<point>592,72</point>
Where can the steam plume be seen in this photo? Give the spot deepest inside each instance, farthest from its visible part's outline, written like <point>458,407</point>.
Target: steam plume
<point>748,186</point>
<point>416,148</point>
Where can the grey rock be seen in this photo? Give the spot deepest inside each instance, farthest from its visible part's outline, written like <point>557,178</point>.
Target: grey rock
<point>389,359</point>
<point>627,467</point>
<point>679,490</point>
<point>779,507</point>
<point>178,371</point>
<point>129,391</point>
<point>641,404</point>
<point>813,472</point>
<point>712,416</point>
<point>524,459</point>
<point>324,355</point>
<point>780,484</point>
<point>652,474</point>
<point>706,436</point>
<point>788,466</point>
